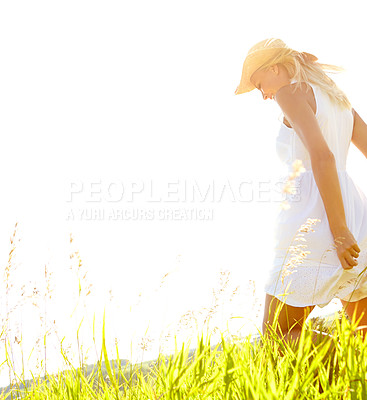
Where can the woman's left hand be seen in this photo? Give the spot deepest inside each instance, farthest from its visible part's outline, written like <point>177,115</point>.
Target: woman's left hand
<point>347,248</point>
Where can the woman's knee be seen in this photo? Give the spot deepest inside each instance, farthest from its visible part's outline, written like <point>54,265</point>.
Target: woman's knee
<point>283,317</point>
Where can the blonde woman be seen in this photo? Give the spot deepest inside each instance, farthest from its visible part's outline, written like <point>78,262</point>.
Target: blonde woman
<point>321,238</point>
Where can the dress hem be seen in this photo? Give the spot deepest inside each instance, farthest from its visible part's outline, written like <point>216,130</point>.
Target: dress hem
<point>321,305</point>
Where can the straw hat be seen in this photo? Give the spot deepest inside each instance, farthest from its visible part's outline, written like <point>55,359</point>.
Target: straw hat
<point>258,55</point>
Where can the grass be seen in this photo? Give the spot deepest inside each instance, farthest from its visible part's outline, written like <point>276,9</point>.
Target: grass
<point>238,369</point>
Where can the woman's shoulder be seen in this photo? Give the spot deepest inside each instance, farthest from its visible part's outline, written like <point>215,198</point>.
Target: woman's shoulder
<point>299,90</point>
<point>301,86</point>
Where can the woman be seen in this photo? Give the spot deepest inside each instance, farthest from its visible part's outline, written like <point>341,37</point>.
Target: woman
<point>326,228</point>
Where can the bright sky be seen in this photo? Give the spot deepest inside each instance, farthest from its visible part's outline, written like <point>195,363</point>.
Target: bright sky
<point>109,107</point>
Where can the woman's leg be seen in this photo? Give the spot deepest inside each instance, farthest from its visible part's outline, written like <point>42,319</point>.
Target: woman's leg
<point>359,308</point>
<point>290,319</point>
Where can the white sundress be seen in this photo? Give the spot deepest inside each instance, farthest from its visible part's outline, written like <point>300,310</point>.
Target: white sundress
<point>315,278</point>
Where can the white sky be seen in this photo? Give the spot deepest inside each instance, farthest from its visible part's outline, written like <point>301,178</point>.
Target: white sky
<point>123,93</point>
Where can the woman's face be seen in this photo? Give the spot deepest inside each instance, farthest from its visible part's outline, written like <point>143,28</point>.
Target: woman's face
<point>270,81</point>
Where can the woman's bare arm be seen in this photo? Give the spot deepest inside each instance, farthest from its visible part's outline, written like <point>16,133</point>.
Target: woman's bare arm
<point>299,113</point>
<point>359,136</point>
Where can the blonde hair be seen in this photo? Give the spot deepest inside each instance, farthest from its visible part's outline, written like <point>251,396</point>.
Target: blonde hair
<point>301,67</point>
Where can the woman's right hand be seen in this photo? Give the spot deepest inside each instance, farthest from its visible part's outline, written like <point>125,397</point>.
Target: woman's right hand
<point>347,248</point>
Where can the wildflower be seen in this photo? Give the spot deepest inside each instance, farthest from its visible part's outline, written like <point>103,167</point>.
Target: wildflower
<point>297,251</point>
<point>289,185</point>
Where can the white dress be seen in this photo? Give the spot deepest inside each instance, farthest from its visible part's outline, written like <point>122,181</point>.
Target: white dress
<point>312,274</point>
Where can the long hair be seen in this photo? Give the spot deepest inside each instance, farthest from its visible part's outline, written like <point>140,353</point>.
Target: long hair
<point>301,67</point>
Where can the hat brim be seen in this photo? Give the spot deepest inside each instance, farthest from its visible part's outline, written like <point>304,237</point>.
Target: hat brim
<point>244,88</point>
<point>252,63</point>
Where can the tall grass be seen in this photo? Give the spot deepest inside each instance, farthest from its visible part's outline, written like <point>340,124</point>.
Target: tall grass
<point>333,369</point>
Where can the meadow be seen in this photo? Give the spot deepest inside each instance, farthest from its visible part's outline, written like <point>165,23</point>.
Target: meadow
<point>327,361</point>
